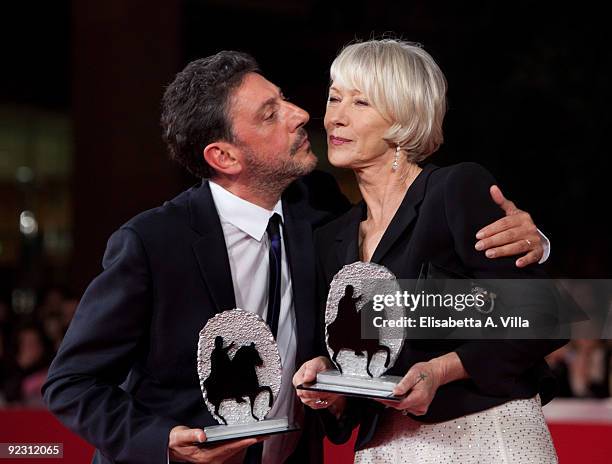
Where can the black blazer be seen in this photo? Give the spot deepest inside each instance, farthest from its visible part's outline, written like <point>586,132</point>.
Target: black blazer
<point>125,373</point>
<point>437,223</point>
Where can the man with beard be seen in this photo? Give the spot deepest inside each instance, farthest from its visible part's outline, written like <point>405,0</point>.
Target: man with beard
<point>125,377</point>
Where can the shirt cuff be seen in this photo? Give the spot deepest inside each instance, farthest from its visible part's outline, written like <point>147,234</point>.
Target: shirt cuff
<point>546,246</point>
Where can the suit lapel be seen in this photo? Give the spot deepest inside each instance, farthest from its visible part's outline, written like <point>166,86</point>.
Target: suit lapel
<point>210,250</point>
<point>405,215</point>
<point>299,246</point>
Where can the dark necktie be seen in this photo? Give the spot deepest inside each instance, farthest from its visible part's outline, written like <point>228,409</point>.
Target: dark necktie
<point>274,285</point>
<point>254,452</point>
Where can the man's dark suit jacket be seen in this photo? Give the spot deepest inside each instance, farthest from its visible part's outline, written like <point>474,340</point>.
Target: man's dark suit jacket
<point>125,373</point>
<point>437,223</point>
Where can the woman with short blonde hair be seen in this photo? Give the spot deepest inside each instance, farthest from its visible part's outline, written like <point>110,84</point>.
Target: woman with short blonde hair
<point>475,401</point>
<point>405,85</point>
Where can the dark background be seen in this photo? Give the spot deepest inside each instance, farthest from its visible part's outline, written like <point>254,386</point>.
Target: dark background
<point>529,88</point>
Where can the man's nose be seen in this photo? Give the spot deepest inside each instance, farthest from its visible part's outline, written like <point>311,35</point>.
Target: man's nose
<point>299,117</point>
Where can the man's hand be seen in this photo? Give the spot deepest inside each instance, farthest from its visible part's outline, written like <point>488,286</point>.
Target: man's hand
<point>182,449</point>
<point>512,235</point>
<point>317,400</point>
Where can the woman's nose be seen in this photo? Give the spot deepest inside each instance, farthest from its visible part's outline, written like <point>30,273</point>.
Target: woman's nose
<point>338,117</point>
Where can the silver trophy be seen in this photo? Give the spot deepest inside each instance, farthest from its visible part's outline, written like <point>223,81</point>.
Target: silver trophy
<point>361,362</point>
<point>240,376</point>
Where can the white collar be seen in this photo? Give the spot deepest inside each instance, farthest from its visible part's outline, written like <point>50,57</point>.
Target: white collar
<point>246,216</point>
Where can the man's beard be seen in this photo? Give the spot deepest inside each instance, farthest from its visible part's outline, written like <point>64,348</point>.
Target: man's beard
<point>275,177</point>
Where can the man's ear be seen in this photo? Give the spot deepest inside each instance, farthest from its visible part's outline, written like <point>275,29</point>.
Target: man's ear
<point>222,158</point>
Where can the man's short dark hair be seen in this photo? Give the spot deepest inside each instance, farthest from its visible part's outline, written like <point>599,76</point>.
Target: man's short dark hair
<point>195,107</point>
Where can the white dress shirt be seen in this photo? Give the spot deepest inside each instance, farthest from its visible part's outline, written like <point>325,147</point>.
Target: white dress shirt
<point>244,228</point>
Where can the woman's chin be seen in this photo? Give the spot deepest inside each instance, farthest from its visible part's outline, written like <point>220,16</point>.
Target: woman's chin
<point>338,161</point>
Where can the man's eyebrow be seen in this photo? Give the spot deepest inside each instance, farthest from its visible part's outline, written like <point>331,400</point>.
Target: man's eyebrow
<point>272,101</point>
<point>266,104</point>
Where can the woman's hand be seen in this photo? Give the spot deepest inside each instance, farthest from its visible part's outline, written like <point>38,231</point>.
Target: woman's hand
<point>313,399</point>
<point>422,381</point>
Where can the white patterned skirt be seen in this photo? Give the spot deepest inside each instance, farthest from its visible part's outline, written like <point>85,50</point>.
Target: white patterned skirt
<point>514,432</point>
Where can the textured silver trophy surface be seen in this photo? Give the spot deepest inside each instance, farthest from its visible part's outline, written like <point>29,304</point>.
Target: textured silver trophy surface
<point>361,362</point>
<point>239,368</point>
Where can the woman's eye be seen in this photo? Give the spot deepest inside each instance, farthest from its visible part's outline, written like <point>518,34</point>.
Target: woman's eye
<point>333,99</point>
<point>362,103</point>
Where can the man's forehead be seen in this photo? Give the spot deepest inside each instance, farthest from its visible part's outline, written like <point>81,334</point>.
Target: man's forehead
<point>254,91</point>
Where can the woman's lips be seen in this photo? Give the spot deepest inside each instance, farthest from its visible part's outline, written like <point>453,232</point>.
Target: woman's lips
<point>338,140</point>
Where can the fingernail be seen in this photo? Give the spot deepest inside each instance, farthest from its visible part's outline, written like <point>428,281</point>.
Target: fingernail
<point>479,246</point>
<point>490,253</point>
<point>479,235</point>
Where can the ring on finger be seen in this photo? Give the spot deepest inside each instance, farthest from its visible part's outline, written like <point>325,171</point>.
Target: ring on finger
<point>321,402</point>
<point>528,242</point>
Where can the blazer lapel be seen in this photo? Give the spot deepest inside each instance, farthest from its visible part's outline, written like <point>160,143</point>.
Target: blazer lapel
<point>405,215</point>
<point>298,245</point>
<point>210,249</point>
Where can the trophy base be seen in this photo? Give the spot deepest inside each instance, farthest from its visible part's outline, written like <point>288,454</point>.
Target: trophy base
<point>216,434</point>
<point>332,381</point>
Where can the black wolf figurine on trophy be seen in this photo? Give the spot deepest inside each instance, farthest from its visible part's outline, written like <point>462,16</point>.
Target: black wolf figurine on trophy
<point>360,361</point>
<point>240,375</point>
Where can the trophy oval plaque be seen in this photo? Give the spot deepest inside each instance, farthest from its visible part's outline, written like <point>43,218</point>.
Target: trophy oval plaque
<point>239,367</point>
<point>352,291</point>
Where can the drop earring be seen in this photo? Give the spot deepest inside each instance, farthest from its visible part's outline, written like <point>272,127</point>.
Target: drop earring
<point>395,164</point>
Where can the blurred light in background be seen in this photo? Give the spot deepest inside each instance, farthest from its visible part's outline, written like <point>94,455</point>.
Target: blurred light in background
<point>27,224</point>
